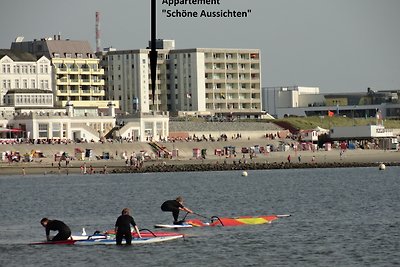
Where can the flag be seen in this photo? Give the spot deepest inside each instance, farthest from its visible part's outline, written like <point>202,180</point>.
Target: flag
<point>330,113</point>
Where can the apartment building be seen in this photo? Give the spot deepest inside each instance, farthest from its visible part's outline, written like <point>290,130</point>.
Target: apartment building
<point>77,76</point>
<point>128,80</point>
<point>217,81</point>
<point>26,80</point>
<point>189,81</point>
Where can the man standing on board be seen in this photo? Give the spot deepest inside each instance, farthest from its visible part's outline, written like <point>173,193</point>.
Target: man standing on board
<point>175,206</point>
<point>123,227</point>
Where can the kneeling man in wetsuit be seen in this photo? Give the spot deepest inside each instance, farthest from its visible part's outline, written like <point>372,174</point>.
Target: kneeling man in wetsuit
<point>55,225</point>
<point>175,206</point>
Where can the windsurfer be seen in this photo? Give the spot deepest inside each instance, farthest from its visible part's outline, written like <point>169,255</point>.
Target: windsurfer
<point>123,227</point>
<point>55,225</point>
<point>175,206</point>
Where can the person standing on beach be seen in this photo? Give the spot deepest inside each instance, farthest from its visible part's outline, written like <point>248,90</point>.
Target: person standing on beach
<point>55,225</point>
<point>123,227</point>
<point>175,206</point>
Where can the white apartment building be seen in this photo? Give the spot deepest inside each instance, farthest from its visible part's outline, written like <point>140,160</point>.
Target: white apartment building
<point>217,81</point>
<point>25,79</point>
<point>197,81</point>
<point>77,76</point>
<point>128,81</point>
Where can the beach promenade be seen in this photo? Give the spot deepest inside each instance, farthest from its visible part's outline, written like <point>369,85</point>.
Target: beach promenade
<point>117,163</point>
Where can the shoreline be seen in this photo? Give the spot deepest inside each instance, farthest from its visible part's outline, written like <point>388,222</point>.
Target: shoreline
<point>274,160</point>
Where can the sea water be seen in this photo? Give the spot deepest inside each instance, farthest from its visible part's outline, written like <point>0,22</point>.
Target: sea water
<point>339,217</point>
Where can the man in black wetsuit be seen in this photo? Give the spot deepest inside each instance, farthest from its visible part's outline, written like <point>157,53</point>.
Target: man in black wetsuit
<point>175,206</point>
<point>123,227</point>
<point>55,225</point>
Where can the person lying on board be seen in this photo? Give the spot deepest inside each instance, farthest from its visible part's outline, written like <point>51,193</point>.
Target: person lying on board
<point>64,233</point>
<point>123,227</point>
<point>175,206</point>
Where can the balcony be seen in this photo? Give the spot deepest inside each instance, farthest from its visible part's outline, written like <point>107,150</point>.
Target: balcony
<point>74,81</point>
<point>98,82</point>
<point>61,70</point>
<point>74,92</point>
<point>97,92</point>
<point>98,71</point>
<point>62,81</point>
<point>85,81</point>
<point>74,71</point>
<point>86,71</point>
<point>62,92</point>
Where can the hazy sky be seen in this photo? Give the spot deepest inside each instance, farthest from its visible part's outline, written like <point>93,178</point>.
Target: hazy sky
<point>337,45</point>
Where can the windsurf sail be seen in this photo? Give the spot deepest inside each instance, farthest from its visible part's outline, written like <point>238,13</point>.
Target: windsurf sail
<point>235,221</point>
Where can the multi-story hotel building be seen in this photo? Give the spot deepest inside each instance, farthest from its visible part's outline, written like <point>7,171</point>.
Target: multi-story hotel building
<point>128,81</point>
<point>76,73</point>
<point>217,81</point>
<point>25,80</point>
<point>202,81</point>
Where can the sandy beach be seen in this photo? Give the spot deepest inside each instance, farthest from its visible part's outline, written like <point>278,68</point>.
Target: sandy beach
<point>116,163</point>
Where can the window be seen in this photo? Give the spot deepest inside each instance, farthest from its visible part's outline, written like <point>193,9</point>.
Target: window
<point>56,129</point>
<point>43,127</point>
<point>4,68</point>
<point>64,130</point>
<point>17,84</point>
<point>25,83</point>
<point>33,83</point>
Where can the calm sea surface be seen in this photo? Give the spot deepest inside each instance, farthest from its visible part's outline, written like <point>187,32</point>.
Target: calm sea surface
<point>340,217</point>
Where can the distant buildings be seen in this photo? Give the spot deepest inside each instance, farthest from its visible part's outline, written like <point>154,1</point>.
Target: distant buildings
<point>198,81</point>
<point>60,89</point>
<point>76,74</point>
<point>308,101</point>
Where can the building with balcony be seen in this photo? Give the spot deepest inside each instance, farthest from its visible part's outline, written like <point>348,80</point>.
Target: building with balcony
<point>77,76</point>
<point>217,81</point>
<point>128,80</point>
<point>199,81</point>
